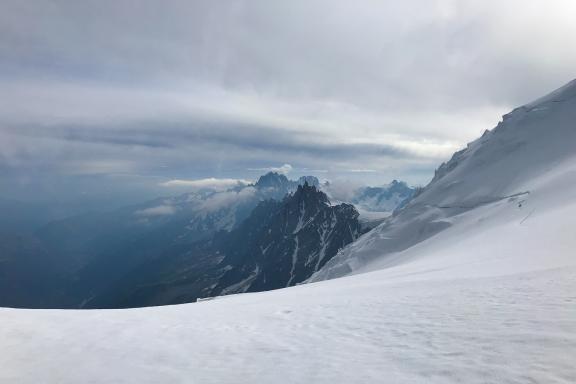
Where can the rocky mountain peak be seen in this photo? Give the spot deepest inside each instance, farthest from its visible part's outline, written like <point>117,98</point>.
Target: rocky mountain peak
<point>272,180</point>
<point>309,193</point>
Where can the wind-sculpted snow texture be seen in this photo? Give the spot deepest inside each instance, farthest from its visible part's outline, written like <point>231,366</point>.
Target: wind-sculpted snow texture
<point>502,164</point>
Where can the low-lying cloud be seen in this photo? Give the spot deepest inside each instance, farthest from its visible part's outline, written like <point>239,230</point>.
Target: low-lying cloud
<point>208,183</point>
<point>160,210</point>
<point>224,199</point>
<point>283,169</point>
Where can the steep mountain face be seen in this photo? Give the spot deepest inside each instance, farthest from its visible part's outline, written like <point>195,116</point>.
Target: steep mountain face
<point>510,170</point>
<point>383,199</point>
<point>279,245</point>
<point>278,185</point>
<point>188,217</point>
<point>284,243</point>
<point>89,252</point>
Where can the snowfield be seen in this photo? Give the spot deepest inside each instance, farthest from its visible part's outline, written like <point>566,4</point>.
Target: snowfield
<point>473,282</point>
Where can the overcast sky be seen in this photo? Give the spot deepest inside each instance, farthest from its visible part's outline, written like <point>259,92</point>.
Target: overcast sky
<point>132,94</point>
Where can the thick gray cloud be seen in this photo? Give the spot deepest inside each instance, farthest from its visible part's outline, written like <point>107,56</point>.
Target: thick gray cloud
<point>160,90</point>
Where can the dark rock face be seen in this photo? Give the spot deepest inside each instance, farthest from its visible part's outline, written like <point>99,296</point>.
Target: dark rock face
<point>275,182</point>
<point>287,242</point>
<point>279,245</point>
<point>83,256</point>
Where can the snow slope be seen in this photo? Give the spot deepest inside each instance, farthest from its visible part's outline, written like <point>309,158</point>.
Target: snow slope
<point>480,289</point>
<point>530,145</point>
<point>420,323</point>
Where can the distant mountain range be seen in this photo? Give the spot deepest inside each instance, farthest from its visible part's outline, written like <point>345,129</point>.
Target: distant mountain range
<point>473,281</point>
<point>383,199</point>
<point>97,250</point>
<point>280,244</point>
<point>273,233</point>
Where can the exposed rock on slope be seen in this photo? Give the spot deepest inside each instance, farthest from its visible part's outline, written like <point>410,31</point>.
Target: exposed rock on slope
<point>279,245</point>
<point>89,253</point>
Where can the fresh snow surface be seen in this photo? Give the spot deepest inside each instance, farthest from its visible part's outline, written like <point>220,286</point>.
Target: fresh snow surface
<point>482,291</point>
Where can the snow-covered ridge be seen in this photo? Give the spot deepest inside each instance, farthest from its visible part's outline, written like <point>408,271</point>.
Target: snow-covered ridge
<point>503,165</point>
